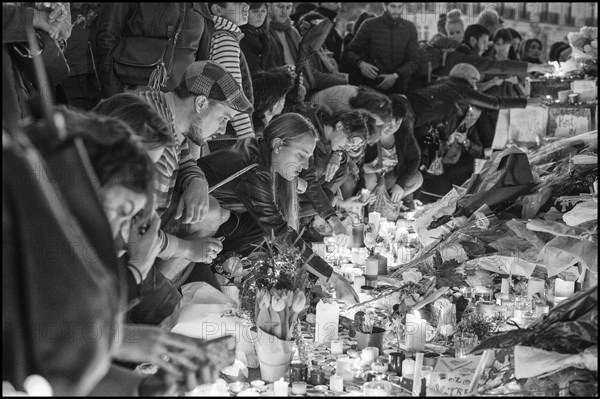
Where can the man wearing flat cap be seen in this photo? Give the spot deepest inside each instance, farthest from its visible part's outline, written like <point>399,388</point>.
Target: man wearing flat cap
<point>197,110</point>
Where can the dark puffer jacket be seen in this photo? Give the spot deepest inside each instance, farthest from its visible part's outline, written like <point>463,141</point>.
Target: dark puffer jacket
<point>389,45</point>
<point>254,190</point>
<point>257,46</point>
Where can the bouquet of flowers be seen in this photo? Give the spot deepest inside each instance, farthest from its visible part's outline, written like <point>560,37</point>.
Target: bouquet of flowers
<point>272,297</point>
<point>584,43</point>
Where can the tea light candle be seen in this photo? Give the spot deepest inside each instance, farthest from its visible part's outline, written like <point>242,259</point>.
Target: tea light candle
<point>563,288</point>
<point>353,353</point>
<point>505,288</point>
<point>415,332</point>
<point>408,366</point>
<point>336,383</point>
<point>534,286</point>
<point>379,368</point>
<point>337,347</point>
<point>299,388</point>
<point>280,388</point>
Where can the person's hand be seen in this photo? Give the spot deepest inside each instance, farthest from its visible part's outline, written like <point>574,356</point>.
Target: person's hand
<point>173,353</point>
<point>194,200</point>
<point>497,81</point>
<point>368,70</point>
<point>58,12</point>
<point>513,79</point>
<point>203,249</point>
<point>355,201</point>
<point>342,238</point>
<point>144,247</point>
<point>456,136</point>
<point>343,289</point>
<point>540,68</point>
<point>332,166</point>
<point>389,80</point>
<point>397,193</point>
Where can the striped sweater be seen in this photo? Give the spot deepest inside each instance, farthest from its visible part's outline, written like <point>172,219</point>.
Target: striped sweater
<point>225,49</point>
<point>176,167</point>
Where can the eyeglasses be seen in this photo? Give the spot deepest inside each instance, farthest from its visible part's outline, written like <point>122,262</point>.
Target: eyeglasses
<point>355,143</point>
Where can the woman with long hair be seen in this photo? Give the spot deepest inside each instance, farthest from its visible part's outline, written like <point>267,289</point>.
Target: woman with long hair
<point>257,44</point>
<point>532,51</point>
<point>265,196</point>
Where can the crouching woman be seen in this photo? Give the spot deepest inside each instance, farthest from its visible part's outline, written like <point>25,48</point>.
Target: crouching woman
<point>264,199</point>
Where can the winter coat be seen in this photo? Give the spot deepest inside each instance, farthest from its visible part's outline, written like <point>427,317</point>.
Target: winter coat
<point>485,65</point>
<point>254,190</point>
<point>389,45</point>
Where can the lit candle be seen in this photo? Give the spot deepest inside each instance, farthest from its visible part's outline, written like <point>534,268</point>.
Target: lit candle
<point>327,321</point>
<point>417,374</point>
<point>367,355</point>
<point>336,383</point>
<point>408,366</point>
<point>280,388</point>
<point>359,281</point>
<point>534,286</point>
<point>541,309</point>
<point>299,388</point>
<point>486,308</point>
<point>372,266</point>
<point>563,288</point>
<point>415,332</point>
<point>379,367</point>
<point>505,286</point>
<point>375,352</point>
<point>337,347</point>
<point>353,353</point>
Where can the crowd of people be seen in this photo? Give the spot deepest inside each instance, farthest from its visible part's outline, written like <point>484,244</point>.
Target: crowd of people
<point>182,130</point>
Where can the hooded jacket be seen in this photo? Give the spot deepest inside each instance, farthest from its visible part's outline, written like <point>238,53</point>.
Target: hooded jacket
<point>254,190</point>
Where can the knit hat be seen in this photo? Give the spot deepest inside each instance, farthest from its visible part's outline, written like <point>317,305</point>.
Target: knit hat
<point>301,9</point>
<point>209,78</point>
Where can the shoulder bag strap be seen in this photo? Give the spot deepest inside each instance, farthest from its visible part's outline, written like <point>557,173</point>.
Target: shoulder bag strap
<point>161,74</point>
<point>380,179</point>
<point>232,177</point>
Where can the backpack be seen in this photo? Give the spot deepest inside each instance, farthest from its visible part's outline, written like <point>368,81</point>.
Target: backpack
<point>433,53</point>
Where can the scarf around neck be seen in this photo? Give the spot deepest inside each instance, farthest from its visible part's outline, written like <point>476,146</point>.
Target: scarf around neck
<point>281,26</point>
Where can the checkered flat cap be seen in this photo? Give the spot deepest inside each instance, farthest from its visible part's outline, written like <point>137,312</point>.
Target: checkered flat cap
<point>209,78</point>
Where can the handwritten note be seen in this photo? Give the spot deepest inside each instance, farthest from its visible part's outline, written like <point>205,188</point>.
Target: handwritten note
<point>453,376</point>
<point>527,124</point>
<point>567,122</point>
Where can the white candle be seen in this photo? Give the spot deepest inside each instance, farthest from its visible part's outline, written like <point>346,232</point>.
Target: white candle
<point>337,347</point>
<point>280,388</point>
<point>563,288</point>
<point>408,366</point>
<point>415,332</point>
<point>359,281</point>
<point>336,383</point>
<point>534,286</point>
<point>375,352</point>
<point>505,286</point>
<point>327,321</point>
<point>417,374</point>
<point>367,355</point>
<point>372,266</point>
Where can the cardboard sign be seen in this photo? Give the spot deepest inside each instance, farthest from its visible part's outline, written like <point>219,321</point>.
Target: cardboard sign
<point>567,122</point>
<point>582,86</point>
<point>528,124</point>
<point>452,376</point>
